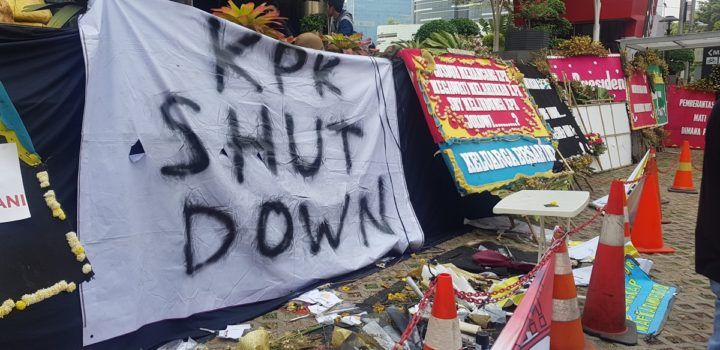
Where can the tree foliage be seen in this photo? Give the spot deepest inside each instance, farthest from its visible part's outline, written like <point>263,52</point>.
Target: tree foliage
<point>465,26</point>
<point>435,26</point>
<point>314,23</point>
<point>546,15</point>
<point>676,59</point>
<point>709,13</point>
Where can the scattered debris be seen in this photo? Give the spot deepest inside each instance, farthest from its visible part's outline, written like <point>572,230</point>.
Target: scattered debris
<point>382,263</point>
<point>180,344</point>
<point>255,340</point>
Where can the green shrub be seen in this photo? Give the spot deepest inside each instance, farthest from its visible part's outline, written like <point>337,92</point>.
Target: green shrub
<point>313,23</point>
<point>487,40</point>
<point>435,26</point>
<point>465,26</point>
<point>546,15</point>
<point>676,59</point>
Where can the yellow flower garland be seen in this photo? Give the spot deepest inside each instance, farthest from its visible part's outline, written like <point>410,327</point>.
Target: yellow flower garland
<point>45,293</point>
<point>6,307</point>
<point>75,246</point>
<point>54,205</point>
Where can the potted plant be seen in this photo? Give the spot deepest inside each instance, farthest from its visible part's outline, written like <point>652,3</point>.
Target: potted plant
<point>542,22</point>
<point>264,19</point>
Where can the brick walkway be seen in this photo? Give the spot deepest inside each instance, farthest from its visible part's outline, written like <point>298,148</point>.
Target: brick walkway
<point>689,323</point>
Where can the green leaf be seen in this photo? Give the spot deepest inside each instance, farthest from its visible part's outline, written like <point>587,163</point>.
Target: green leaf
<point>60,18</point>
<point>36,7</point>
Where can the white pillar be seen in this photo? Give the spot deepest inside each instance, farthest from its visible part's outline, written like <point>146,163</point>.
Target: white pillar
<point>596,26</point>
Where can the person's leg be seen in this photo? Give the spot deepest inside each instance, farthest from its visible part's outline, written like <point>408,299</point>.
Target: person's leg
<point>714,341</point>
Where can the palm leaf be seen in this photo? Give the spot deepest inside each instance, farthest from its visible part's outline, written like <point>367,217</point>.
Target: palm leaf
<point>60,18</point>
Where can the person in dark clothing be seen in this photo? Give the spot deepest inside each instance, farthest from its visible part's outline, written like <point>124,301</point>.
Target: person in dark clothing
<point>341,21</point>
<point>707,235</point>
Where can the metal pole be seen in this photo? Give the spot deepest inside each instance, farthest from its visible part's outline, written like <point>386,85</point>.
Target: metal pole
<point>683,14</point>
<point>692,15</point>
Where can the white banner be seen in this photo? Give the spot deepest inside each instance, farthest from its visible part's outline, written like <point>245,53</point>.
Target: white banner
<point>13,203</point>
<point>220,167</point>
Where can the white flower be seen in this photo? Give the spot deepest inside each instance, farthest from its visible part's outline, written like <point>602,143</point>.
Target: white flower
<point>6,307</point>
<point>44,179</point>
<point>87,268</point>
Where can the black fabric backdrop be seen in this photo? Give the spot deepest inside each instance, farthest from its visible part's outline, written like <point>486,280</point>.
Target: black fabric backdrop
<point>35,256</point>
<point>43,71</point>
<point>434,196</point>
<point>569,146</point>
<point>44,74</point>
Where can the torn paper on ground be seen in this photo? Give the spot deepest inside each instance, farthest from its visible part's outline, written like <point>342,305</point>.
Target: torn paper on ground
<point>320,301</point>
<point>234,331</point>
<point>460,283</point>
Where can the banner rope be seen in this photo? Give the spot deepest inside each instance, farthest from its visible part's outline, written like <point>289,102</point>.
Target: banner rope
<point>483,298</point>
<point>631,182</point>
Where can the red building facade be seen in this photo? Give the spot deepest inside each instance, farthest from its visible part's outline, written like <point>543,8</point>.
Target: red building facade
<point>635,14</point>
<point>618,18</point>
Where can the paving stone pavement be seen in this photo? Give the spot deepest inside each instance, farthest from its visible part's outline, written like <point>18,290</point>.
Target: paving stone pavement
<point>689,323</point>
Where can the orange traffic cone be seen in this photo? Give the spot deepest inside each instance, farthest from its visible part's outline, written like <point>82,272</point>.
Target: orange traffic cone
<point>646,231</point>
<point>443,330</point>
<point>651,167</point>
<point>604,314</point>
<point>566,331</point>
<point>683,176</point>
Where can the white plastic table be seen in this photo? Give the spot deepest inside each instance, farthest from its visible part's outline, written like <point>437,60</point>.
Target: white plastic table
<point>527,202</point>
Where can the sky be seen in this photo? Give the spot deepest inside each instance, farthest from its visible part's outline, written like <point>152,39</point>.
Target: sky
<point>673,7</point>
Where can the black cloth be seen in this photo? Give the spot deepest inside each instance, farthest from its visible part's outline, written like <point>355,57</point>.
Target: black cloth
<point>462,257</point>
<point>432,192</point>
<point>571,141</point>
<point>43,71</point>
<point>707,236</point>
<point>36,255</point>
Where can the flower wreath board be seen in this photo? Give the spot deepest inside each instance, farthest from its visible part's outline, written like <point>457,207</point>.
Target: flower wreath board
<point>566,132</point>
<point>486,125</point>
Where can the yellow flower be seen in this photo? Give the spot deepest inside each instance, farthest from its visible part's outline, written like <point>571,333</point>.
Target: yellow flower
<point>20,305</point>
<point>70,287</point>
<point>87,268</point>
<point>77,250</point>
